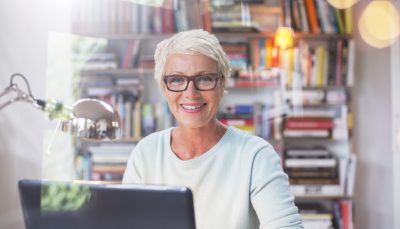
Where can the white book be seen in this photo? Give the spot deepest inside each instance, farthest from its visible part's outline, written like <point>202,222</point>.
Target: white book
<point>307,153</point>
<point>310,162</point>
<point>317,224</point>
<point>350,175</point>
<point>316,190</point>
<point>313,112</point>
<point>306,133</point>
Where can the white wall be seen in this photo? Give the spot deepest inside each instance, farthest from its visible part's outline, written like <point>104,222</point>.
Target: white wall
<point>372,120</point>
<point>24,26</point>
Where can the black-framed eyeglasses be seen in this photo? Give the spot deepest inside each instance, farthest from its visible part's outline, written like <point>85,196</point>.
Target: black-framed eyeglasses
<point>203,82</point>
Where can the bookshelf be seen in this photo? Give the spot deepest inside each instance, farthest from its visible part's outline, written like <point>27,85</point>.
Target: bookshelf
<point>120,72</point>
<point>298,99</point>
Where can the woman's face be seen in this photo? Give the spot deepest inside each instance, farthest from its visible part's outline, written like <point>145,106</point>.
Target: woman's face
<point>192,108</point>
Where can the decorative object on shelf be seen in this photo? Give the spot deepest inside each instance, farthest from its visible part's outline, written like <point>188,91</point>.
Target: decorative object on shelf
<point>342,4</point>
<point>284,37</point>
<point>379,24</point>
<point>86,118</point>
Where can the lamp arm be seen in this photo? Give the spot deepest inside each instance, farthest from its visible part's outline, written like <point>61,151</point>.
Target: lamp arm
<point>17,95</point>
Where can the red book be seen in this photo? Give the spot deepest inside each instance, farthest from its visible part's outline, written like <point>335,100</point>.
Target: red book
<point>345,207</point>
<point>168,18</point>
<point>309,123</point>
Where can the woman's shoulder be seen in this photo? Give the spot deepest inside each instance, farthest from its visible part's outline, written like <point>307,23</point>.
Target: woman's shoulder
<point>250,144</point>
<point>244,137</point>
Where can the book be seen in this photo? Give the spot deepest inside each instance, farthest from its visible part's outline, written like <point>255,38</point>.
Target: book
<point>304,17</point>
<point>350,175</point>
<point>307,153</point>
<point>309,112</point>
<point>309,123</point>
<point>350,63</point>
<point>240,108</point>
<point>312,16</point>
<point>310,162</point>
<point>287,13</point>
<point>312,173</point>
<point>296,16</point>
<point>301,133</point>
<point>313,181</point>
<point>316,190</point>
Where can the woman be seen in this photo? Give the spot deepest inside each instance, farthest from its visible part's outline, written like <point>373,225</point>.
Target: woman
<point>236,178</point>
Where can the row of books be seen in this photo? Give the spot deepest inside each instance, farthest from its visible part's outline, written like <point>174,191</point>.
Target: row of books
<point>318,128</point>
<point>126,17</point>
<point>140,119</point>
<point>124,91</point>
<point>314,167</point>
<point>317,16</point>
<point>338,214</point>
<point>121,54</point>
<point>244,17</point>
<point>315,96</point>
<point>104,162</point>
<point>319,172</point>
<point>330,64</point>
<point>249,117</point>
<point>266,120</point>
<point>100,61</point>
<point>327,64</point>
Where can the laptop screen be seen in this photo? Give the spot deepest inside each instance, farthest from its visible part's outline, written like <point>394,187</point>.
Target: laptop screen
<point>50,204</point>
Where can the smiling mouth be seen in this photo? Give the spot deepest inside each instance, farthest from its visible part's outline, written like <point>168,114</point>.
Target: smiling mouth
<point>192,108</point>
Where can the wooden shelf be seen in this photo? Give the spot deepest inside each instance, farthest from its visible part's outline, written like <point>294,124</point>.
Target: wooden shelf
<point>272,34</point>
<point>127,36</point>
<point>321,197</point>
<point>119,71</point>
<point>160,36</point>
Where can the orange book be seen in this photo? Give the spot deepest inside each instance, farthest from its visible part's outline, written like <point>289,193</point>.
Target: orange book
<point>312,16</point>
<point>269,45</point>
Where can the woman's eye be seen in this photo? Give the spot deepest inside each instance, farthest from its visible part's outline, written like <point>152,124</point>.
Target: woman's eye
<point>205,79</point>
<point>176,80</point>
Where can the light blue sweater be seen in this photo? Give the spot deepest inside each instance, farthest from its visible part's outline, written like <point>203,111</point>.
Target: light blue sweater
<point>239,183</point>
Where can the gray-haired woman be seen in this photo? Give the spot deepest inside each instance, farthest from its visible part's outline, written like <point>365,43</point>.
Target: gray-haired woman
<point>236,178</point>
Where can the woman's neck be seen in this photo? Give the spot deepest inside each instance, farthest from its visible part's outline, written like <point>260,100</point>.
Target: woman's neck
<point>189,143</point>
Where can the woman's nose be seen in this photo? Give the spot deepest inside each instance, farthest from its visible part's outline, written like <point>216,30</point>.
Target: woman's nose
<point>191,89</point>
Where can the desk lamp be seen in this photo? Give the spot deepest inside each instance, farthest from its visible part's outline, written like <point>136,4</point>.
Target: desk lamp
<point>86,118</point>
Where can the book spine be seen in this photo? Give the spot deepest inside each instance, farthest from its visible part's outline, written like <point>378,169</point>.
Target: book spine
<point>312,16</point>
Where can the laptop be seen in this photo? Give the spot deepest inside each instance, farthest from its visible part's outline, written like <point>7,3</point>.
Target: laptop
<point>51,204</point>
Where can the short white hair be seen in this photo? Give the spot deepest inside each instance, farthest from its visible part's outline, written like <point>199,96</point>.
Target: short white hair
<point>197,41</point>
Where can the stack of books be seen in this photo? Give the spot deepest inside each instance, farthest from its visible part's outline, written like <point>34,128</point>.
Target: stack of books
<point>315,215</point>
<point>108,161</point>
<point>313,172</point>
<point>315,127</point>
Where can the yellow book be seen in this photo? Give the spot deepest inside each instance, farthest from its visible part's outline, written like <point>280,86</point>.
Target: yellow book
<point>348,20</point>
<point>320,66</point>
